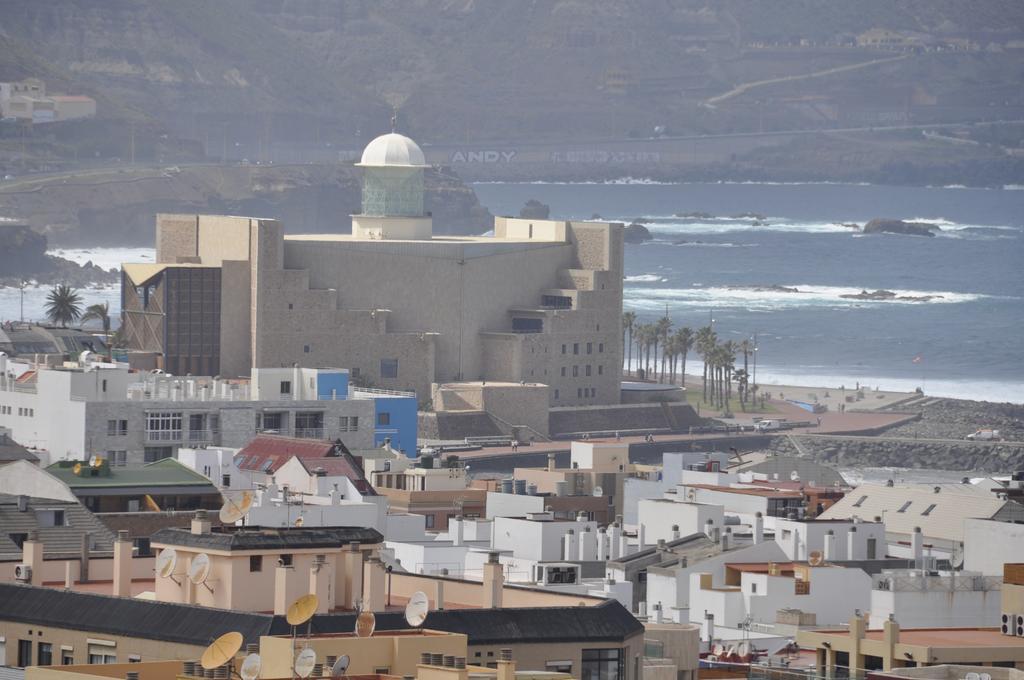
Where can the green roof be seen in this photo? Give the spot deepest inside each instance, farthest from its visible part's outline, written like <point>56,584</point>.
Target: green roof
<point>165,472</point>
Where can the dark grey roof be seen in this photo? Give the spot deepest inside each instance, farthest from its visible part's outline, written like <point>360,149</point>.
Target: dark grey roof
<point>189,624</point>
<point>269,538</point>
<point>26,339</point>
<point>130,617</point>
<point>606,622</point>
<point>679,546</point>
<point>57,541</point>
<point>11,450</point>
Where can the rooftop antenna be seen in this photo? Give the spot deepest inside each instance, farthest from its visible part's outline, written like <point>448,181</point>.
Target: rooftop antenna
<point>394,118</point>
<point>340,666</point>
<point>221,650</point>
<point>366,622</point>
<point>251,667</point>
<point>165,563</point>
<point>417,609</point>
<point>199,570</point>
<point>236,506</point>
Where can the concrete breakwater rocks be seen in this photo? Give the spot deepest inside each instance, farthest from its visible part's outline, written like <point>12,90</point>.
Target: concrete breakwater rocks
<point>908,453</point>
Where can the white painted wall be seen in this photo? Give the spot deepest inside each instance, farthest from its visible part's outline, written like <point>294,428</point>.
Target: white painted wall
<point>936,608</point>
<point>658,516</point>
<point>989,544</point>
<point>539,541</point>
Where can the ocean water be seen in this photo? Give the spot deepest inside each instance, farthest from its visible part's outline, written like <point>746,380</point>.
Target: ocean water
<point>965,327</point>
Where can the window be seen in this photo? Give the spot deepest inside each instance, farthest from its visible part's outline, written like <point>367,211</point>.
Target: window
<point>44,654</point>
<point>134,658</point>
<point>556,393</point>
<point>383,418</point>
<point>558,667</point>
<point>602,664</point>
<point>382,670</point>
<point>24,653</point>
<point>430,521</point>
<point>285,560</point>
<point>163,426</point>
<point>111,428</point>
<point>563,371</point>
<point>588,370</point>
<point>118,458</point>
<point>305,348</point>
<point>309,424</point>
<point>348,423</point>
<point>563,349</point>
<point>928,510</point>
<point>575,371</point>
<point>67,657</point>
<point>271,421</point>
<point>753,587</point>
<point>579,392</point>
<point>590,348</point>
<point>51,518</point>
<point>151,454</point>
<point>872,548</point>
<point>389,368</point>
<point>903,508</point>
<point>600,369</point>
<point>600,345</point>
<point>575,348</point>
<point>255,562</point>
<point>286,387</point>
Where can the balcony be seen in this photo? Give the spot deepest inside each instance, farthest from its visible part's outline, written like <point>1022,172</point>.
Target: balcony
<point>309,432</point>
<point>202,436</point>
<point>163,435</point>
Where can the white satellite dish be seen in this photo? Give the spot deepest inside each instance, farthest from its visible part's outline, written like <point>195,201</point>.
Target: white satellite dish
<point>794,476</point>
<point>340,666</point>
<point>85,357</point>
<point>199,570</point>
<point>251,666</point>
<point>95,461</point>
<point>743,649</point>
<point>236,506</point>
<point>165,562</point>
<point>417,609</point>
<point>972,676</point>
<point>366,623</point>
<point>304,662</point>
<point>598,491</point>
<point>718,649</point>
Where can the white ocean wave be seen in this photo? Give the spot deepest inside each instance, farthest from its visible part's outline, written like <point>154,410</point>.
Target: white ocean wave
<point>727,225</point>
<point>767,299</point>
<point>645,278</point>
<point>108,258</point>
<point>705,244</point>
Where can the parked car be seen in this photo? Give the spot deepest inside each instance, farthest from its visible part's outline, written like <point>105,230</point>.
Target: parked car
<point>984,436</point>
<point>767,425</point>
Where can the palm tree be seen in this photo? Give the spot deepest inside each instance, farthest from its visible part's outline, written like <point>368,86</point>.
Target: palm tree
<point>747,347</point>
<point>628,322</point>
<point>728,365</point>
<point>663,327</point>
<point>705,343</point>
<point>741,378</point>
<point>63,305</point>
<point>684,343</point>
<point>101,312</point>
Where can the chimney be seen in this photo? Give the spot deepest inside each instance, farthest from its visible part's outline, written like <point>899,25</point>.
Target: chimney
<point>506,666</point>
<point>830,545</point>
<point>122,565</point>
<point>551,462</point>
<point>614,536</point>
<point>321,580</point>
<point>588,545</point>
<point>709,628</point>
<point>917,546</point>
<point>602,545</point>
<point>375,584</point>
<point>675,532</point>
<point>32,555</point>
<point>456,530</point>
<point>890,635</point>
<point>494,583</point>
<point>709,529</point>
<point>569,547</point>
<point>657,613</point>
<point>285,590</point>
<point>725,538</point>
<point>852,551</point>
<point>352,563</point>
<point>201,523</point>
<point>83,570</point>
<point>562,488</point>
<point>758,527</point>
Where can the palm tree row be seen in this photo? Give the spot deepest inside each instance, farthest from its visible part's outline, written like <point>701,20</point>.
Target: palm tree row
<point>675,346</point>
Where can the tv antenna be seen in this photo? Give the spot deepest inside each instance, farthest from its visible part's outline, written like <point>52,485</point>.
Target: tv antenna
<point>165,563</point>
<point>236,506</point>
<point>417,609</point>
<point>221,650</point>
<point>199,571</point>
<point>340,666</point>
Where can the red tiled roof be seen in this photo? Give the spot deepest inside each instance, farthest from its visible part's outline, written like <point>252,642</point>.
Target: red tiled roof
<point>770,493</point>
<point>278,450</point>
<point>341,466</point>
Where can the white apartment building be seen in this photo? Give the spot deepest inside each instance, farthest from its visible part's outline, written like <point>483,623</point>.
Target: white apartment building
<point>88,407</point>
<point>921,599</point>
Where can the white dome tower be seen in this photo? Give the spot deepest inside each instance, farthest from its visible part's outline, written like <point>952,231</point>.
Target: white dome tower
<point>392,191</point>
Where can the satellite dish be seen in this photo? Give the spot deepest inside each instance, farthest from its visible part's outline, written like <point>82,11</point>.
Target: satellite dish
<point>235,507</point>
<point>366,622</point>
<point>743,649</point>
<point>417,609</point>
<point>299,521</point>
<point>221,650</point>
<point>85,357</point>
<point>972,676</point>
<point>250,669</point>
<point>816,559</point>
<point>78,468</point>
<point>166,561</point>
<point>302,609</point>
<point>304,662</point>
<point>95,461</point>
<point>340,666</point>
<point>598,491</point>
<point>199,570</point>
<point>718,649</point>
<point>794,476</point>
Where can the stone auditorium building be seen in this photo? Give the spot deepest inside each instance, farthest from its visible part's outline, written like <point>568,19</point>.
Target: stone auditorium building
<point>538,305</point>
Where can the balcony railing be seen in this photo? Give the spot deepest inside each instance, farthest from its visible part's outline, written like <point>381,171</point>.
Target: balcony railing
<point>202,436</point>
<point>309,432</point>
<point>163,435</point>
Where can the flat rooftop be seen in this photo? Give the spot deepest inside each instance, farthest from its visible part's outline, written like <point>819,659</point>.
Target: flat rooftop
<point>945,637</point>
